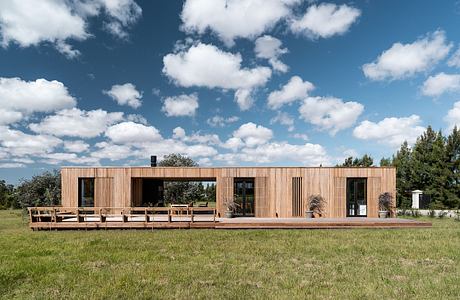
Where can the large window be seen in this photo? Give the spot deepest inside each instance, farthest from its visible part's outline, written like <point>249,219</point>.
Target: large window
<point>85,192</point>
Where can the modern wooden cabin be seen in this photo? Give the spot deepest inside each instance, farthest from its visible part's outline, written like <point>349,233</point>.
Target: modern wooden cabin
<point>265,192</point>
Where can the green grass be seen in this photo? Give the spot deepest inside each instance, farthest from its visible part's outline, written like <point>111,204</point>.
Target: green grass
<point>120,264</point>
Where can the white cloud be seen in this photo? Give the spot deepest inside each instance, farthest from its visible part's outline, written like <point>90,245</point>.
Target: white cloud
<point>454,60</point>
<point>331,114</point>
<point>301,136</point>
<point>441,83</point>
<point>31,23</point>
<point>231,19</point>
<point>252,134</point>
<point>295,89</point>
<point>307,154</point>
<point>391,131</point>
<point>112,152</point>
<point>325,20</point>
<point>405,60</point>
<point>77,123</point>
<point>211,139</point>
<point>9,117</point>
<point>76,146</point>
<point>219,121</point>
<point>180,106</point>
<point>19,98</point>
<point>18,143</point>
<point>268,47</point>
<point>453,116</point>
<point>130,132</point>
<point>122,15</point>
<point>8,165</point>
<point>244,99</point>
<point>125,94</point>
<point>284,119</point>
<point>191,67</point>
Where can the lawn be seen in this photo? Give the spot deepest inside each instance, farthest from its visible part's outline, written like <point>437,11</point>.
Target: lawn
<point>183,264</point>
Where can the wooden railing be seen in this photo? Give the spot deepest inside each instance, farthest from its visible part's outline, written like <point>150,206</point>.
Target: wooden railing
<point>119,214</point>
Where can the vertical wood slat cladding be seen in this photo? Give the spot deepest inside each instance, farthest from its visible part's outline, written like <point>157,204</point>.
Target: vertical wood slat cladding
<point>103,192</point>
<point>373,192</point>
<point>297,197</point>
<point>274,187</point>
<point>261,200</point>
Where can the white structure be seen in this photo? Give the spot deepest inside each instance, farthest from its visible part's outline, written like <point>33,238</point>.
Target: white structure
<point>416,198</point>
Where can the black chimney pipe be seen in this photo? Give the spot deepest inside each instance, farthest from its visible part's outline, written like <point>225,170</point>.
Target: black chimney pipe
<point>153,161</point>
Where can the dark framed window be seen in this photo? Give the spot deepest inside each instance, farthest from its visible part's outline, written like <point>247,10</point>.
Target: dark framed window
<point>85,192</point>
<point>356,197</point>
<point>244,197</point>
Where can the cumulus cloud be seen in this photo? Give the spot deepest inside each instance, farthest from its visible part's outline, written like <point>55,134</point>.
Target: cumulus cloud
<point>307,154</point>
<point>180,106</point>
<point>231,19</point>
<point>77,123</point>
<point>76,146</point>
<point>453,116</point>
<point>391,131</point>
<point>454,60</point>
<point>331,114</point>
<point>268,47</point>
<point>130,132</point>
<point>251,134</point>
<point>125,94</point>
<point>441,83</point>
<point>285,119</point>
<point>18,143</point>
<point>191,67</point>
<point>31,23</point>
<point>295,89</point>
<point>219,121</point>
<point>211,139</point>
<point>405,60</point>
<point>325,20</point>
<point>19,98</point>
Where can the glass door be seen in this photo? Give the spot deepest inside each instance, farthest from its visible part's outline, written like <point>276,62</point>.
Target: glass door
<point>244,197</point>
<point>356,197</point>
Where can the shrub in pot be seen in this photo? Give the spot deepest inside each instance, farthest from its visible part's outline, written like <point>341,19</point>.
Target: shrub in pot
<point>385,204</point>
<point>230,207</point>
<point>315,206</point>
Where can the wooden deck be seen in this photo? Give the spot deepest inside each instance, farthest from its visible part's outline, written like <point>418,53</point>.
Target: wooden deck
<point>185,218</point>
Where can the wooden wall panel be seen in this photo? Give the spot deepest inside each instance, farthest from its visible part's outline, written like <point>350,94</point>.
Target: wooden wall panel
<point>103,192</point>
<point>328,182</point>
<point>136,190</point>
<point>297,196</point>
<point>374,189</point>
<point>339,208</point>
<point>262,200</point>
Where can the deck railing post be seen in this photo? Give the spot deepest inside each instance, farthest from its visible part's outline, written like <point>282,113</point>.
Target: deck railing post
<point>78,215</point>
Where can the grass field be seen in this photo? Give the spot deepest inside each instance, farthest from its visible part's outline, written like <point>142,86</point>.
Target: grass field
<point>184,264</point>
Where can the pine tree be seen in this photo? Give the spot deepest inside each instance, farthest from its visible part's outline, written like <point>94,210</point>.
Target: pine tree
<point>453,165</point>
<point>429,167</point>
<point>404,184</point>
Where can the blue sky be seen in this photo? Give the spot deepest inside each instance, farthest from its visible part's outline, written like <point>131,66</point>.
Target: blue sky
<point>255,82</point>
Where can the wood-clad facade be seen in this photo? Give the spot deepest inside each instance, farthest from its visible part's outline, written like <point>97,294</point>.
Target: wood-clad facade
<point>278,191</point>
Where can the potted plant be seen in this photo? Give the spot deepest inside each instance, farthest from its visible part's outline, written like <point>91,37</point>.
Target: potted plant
<point>315,206</point>
<point>385,204</point>
<point>230,207</point>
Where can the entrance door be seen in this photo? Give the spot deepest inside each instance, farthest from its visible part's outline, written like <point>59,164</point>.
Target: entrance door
<point>244,197</point>
<point>356,197</point>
